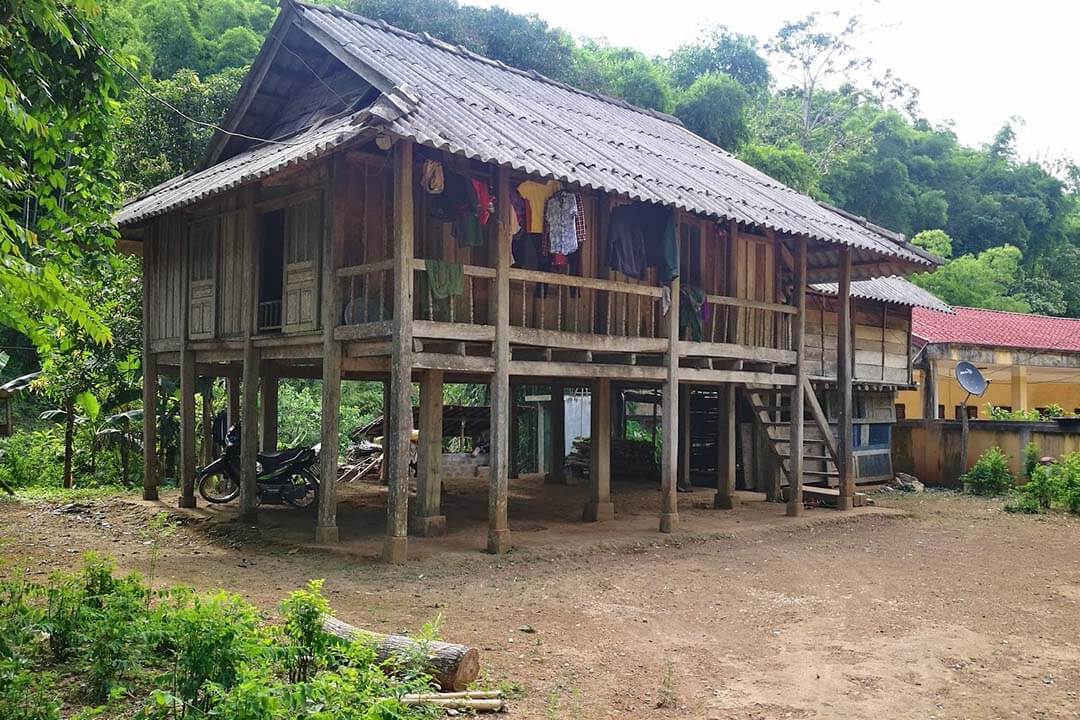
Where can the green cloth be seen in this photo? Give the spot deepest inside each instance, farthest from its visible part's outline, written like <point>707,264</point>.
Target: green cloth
<point>445,279</point>
<point>669,268</point>
<point>691,300</point>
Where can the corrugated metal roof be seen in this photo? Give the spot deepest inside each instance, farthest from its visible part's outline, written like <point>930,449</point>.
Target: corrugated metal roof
<point>893,290</point>
<point>469,105</point>
<point>258,162</point>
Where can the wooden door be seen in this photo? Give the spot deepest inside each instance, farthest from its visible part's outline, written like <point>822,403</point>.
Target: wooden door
<point>303,243</point>
<point>202,262</point>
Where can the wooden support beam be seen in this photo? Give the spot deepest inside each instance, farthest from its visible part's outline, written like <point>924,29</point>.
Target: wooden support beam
<point>669,501</point>
<point>557,474</point>
<point>684,437</point>
<point>725,443</point>
<point>249,402</point>
<point>149,388</point>
<point>269,408</point>
<point>334,201</point>
<point>187,412</point>
<point>232,387</point>
<point>206,392</point>
<point>798,328</point>
<point>249,434</point>
<point>599,506</point>
<point>428,519</point>
<point>844,365</point>
<point>399,413</point>
<point>498,540</point>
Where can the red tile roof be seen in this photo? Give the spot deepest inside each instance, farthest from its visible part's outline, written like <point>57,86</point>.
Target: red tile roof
<point>974,326</point>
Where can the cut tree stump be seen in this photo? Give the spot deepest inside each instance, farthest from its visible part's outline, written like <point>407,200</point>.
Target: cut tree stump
<point>452,666</point>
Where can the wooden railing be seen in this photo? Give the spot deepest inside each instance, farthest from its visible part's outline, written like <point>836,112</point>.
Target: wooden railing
<point>367,292</point>
<point>270,315</point>
<point>567,303</point>
<point>563,303</point>
<point>471,306</point>
<point>747,322</point>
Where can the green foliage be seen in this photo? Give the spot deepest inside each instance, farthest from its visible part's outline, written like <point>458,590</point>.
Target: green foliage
<point>1032,456</point>
<point>32,458</point>
<point>304,611</point>
<point>1049,486</point>
<point>983,280</point>
<point>789,164</point>
<point>714,107</point>
<point>57,98</point>
<point>990,475</point>
<point>720,51</point>
<point>935,241</point>
<point>1051,411</point>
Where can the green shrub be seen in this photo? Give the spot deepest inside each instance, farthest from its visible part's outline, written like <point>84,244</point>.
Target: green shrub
<point>1053,485</point>
<point>304,611</point>
<point>1032,456</point>
<point>63,607</point>
<point>990,475</point>
<point>32,458</point>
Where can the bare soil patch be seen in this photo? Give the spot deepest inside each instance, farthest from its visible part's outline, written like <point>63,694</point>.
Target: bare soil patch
<point>939,606</point>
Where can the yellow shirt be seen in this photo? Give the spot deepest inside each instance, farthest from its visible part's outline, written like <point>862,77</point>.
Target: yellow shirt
<point>536,195</point>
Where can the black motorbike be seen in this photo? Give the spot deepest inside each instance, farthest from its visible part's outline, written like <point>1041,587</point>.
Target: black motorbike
<point>288,476</point>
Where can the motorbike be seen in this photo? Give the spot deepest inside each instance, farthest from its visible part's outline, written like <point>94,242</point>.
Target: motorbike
<point>287,476</point>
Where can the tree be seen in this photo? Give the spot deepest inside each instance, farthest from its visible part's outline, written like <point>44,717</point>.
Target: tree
<point>935,241</point>
<point>789,164</point>
<point>714,107</point>
<point>720,51</point>
<point>986,280</point>
<point>630,75</point>
<point>57,98</point>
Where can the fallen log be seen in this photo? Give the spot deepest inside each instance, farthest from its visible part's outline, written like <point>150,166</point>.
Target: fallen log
<point>473,704</point>
<point>452,666</point>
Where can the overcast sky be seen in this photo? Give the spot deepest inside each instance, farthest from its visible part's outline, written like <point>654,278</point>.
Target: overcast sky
<point>975,63</point>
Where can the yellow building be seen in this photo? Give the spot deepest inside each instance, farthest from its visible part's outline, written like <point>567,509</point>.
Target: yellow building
<point>1031,362</point>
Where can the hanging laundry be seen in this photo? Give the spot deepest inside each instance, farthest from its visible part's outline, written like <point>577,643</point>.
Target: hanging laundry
<point>691,304</point>
<point>517,217</point>
<point>561,216</point>
<point>445,279</point>
<point>526,251</point>
<point>485,202</point>
<point>579,219</point>
<point>642,235</point>
<point>431,177</point>
<point>536,195</point>
<point>458,203</point>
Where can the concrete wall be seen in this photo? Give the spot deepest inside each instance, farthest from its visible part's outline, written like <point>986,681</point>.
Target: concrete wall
<point>1040,392</point>
<point>931,450</point>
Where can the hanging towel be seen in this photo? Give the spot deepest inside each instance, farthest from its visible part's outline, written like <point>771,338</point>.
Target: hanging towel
<point>445,279</point>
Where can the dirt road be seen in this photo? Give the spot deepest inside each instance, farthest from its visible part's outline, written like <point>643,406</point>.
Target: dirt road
<point>949,609</point>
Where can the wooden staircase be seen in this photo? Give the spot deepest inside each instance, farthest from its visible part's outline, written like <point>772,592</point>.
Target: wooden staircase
<point>772,414</point>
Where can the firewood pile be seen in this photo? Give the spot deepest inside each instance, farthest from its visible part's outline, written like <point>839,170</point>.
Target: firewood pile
<point>630,459</point>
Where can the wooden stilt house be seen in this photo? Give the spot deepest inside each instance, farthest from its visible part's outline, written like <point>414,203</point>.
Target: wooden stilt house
<point>375,209</point>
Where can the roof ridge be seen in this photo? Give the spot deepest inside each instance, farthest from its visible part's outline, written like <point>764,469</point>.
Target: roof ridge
<point>462,51</point>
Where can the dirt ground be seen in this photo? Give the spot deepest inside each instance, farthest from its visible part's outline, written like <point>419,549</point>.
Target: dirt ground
<point>926,606</point>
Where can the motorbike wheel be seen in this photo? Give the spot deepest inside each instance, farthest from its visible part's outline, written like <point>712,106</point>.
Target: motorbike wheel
<point>309,498</point>
<point>218,487</point>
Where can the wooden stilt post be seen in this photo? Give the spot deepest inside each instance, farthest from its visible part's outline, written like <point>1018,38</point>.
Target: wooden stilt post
<point>249,390</point>
<point>725,441</point>
<point>249,435</point>
<point>334,199</point>
<point>599,507</point>
<point>798,398</point>
<point>846,466</point>
<point>669,500</point>
<point>269,408</point>
<point>187,395</point>
<point>232,387</point>
<point>149,388</point>
<point>428,520</point>
<point>399,427</point>
<point>207,395</point>
<point>684,437</point>
<point>557,476</point>
<point>498,541</point>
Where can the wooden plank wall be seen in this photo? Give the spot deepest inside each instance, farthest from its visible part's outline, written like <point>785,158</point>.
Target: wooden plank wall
<point>230,287</point>
<point>755,275</point>
<point>164,268</point>
<point>368,224</point>
<point>880,342</point>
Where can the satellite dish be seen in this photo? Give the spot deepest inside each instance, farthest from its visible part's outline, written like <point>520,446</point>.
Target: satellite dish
<point>970,378</point>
